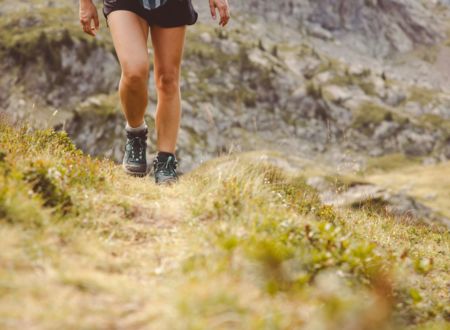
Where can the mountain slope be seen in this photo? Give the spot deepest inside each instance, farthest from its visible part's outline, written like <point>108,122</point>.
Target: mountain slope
<point>237,244</point>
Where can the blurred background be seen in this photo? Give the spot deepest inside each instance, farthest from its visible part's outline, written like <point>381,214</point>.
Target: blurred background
<point>353,85</point>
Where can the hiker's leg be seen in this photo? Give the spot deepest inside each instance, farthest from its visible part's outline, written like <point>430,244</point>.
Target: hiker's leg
<point>130,34</point>
<point>168,46</point>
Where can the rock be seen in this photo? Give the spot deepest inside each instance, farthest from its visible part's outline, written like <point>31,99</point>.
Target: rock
<point>416,144</point>
<point>319,183</point>
<point>394,96</point>
<point>257,57</point>
<point>323,77</point>
<point>336,94</point>
<point>206,37</point>
<point>229,47</point>
<point>386,130</point>
<point>358,70</point>
<point>368,195</point>
<point>317,31</point>
<point>380,28</point>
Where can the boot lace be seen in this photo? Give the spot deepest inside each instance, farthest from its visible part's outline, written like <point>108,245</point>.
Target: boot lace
<point>168,168</point>
<point>137,147</point>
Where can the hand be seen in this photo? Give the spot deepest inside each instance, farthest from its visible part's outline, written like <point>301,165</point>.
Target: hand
<point>224,10</point>
<point>88,13</point>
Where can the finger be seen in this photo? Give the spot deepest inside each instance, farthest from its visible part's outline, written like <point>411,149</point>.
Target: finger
<point>212,8</point>
<point>222,14</point>
<point>227,16</point>
<point>90,27</point>
<point>96,22</point>
<point>87,28</point>
<point>225,21</point>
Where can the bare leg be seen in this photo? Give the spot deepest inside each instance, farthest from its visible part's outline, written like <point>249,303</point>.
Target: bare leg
<point>168,46</point>
<point>130,34</point>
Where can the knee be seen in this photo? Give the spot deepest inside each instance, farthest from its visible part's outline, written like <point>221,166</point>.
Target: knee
<point>168,83</point>
<point>135,74</point>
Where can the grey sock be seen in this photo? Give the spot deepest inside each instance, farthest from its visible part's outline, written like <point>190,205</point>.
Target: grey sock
<point>136,129</point>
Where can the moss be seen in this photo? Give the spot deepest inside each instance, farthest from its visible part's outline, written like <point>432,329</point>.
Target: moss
<point>421,95</point>
<point>369,115</point>
<point>390,163</point>
<point>102,105</point>
<point>341,78</point>
<point>368,88</point>
<point>432,121</point>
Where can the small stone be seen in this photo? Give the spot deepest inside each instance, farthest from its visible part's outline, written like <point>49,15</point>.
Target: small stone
<point>205,37</point>
<point>336,94</point>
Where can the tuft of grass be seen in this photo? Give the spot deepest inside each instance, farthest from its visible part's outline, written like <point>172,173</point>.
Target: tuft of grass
<point>368,115</point>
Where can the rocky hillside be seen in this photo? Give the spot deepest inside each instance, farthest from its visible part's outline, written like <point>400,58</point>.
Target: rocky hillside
<point>340,80</point>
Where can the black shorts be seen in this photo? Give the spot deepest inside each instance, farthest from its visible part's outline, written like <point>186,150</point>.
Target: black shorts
<point>172,13</point>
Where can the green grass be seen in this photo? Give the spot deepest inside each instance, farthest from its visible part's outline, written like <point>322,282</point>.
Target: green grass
<point>236,244</point>
<point>369,115</point>
<point>389,162</point>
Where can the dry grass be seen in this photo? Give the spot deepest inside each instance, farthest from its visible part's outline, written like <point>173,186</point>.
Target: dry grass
<point>237,244</point>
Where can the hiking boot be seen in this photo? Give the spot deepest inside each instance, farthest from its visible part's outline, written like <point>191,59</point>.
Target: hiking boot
<point>164,169</point>
<point>135,157</point>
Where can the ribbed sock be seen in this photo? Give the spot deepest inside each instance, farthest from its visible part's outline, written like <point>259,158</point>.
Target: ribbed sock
<point>140,128</point>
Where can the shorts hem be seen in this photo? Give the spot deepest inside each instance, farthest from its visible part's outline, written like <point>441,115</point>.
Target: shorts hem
<point>167,26</point>
<point>123,9</point>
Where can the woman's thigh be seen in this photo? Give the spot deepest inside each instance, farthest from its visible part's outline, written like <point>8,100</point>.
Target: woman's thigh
<point>168,44</point>
<point>130,34</point>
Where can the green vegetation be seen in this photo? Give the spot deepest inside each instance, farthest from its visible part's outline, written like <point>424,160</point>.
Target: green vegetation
<point>236,244</point>
<point>422,95</point>
<point>389,163</point>
<point>102,105</point>
<point>436,122</point>
<point>368,115</point>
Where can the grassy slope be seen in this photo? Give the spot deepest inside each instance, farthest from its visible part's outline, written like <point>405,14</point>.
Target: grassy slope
<point>234,245</point>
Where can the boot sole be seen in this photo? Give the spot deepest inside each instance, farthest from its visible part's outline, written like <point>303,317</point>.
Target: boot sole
<point>135,174</point>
